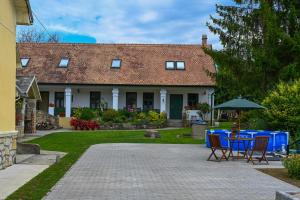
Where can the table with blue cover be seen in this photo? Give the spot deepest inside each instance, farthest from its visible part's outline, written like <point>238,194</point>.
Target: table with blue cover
<point>277,143</point>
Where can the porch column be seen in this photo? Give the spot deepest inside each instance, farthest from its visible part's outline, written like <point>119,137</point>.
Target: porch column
<point>68,99</point>
<point>163,100</point>
<point>51,103</point>
<point>115,97</point>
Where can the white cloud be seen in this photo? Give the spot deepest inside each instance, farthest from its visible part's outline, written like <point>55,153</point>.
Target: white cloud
<point>130,21</point>
<point>62,28</point>
<point>149,16</point>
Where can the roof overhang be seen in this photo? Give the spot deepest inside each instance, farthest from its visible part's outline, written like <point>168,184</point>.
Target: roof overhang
<point>23,12</point>
<point>32,89</point>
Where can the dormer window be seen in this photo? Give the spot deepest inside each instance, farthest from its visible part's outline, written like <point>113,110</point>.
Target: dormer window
<point>170,65</point>
<point>116,63</point>
<point>180,65</point>
<point>173,65</point>
<point>24,62</point>
<point>64,62</point>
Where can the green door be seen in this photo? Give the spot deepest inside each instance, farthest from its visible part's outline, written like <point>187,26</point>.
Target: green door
<point>176,103</point>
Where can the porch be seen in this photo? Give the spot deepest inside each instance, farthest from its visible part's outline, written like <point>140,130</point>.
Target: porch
<point>59,99</point>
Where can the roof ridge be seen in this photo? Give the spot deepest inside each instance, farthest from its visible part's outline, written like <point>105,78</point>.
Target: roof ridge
<point>111,44</point>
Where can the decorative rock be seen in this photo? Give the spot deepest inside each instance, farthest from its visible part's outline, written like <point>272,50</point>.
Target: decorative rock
<point>152,134</point>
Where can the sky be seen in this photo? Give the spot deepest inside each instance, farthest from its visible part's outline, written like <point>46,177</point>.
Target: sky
<point>127,21</point>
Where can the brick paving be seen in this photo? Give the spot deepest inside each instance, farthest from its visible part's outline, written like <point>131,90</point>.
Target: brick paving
<point>162,172</point>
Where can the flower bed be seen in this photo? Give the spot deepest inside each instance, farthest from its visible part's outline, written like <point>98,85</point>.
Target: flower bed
<point>109,119</point>
<point>80,124</point>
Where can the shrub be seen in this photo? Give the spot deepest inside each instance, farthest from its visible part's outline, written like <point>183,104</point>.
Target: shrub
<point>292,164</point>
<point>283,107</point>
<point>141,119</point>
<point>87,114</point>
<point>153,116</point>
<point>109,115</point>
<point>84,113</point>
<point>84,124</point>
<point>254,119</point>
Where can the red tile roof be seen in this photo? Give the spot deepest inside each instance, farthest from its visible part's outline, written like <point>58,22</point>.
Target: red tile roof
<point>142,64</point>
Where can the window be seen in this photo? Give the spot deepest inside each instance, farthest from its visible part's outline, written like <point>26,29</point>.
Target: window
<point>170,65</point>
<point>193,99</point>
<point>131,99</point>
<point>180,65</point>
<point>95,100</point>
<point>64,62</point>
<point>59,99</point>
<point>148,101</point>
<point>116,63</point>
<point>24,62</point>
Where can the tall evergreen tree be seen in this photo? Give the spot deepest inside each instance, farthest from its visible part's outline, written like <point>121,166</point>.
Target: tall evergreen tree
<point>261,40</point>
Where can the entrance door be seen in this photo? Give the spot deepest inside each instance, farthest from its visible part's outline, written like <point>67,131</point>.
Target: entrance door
<point>176,104</point>
<point>44,104</point>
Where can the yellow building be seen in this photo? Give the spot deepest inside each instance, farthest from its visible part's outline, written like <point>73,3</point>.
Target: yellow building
<point>12,13</point>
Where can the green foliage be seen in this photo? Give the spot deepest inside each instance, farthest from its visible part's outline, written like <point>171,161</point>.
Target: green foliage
<point>151,117</point>
<point>84,113</point>
<point>110,115</point>
<point>292,164</point>
<point>261,42</point>
<point>283,107</point>
<point>203,108</point>
<point>254,119</point>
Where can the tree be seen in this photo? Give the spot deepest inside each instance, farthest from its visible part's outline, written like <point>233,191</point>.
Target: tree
<point>283,107</point>
<point>261,40</point>
<point>36,36</point>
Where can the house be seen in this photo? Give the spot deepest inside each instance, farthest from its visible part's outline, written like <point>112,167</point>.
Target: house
<point>163,77</point>
<point>27,96</point>
<point>12,13</point>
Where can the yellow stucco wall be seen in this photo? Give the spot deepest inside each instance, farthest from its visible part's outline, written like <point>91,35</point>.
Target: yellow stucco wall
<point>64,122</point>
<point>7,65</point>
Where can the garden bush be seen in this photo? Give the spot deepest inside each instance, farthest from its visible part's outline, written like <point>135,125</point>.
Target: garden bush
<point>283,107</point>
<point>84,113</point>
<point>292,164</point>
<point>84,124</point>
<point>110,115</point>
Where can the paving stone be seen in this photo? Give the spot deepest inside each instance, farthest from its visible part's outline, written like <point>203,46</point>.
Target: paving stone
<point>162,172</point>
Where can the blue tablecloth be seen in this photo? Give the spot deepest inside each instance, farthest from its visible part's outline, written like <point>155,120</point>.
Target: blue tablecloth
<point>277,142</point>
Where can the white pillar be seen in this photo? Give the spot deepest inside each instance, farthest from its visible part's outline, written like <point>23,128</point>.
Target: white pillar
<point>163,100</point>
<point>68,103</point>
<point>115,97</point>
<point>52,102</point>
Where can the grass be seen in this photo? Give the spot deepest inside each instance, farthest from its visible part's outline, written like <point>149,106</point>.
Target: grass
<point>281,174</point>
<point>223,125</point>
<point>75,144</point>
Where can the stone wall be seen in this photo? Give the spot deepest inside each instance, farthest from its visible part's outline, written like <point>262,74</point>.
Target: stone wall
<point>42,118</point>
<point>8,146</point>
<point>30,116</point>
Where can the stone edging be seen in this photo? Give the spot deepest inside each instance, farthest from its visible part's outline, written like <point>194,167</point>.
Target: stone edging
<point>280,195</point>
<point>8,133</point>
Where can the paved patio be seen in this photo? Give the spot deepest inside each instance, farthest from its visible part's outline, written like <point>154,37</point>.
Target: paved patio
<point>160,171</point>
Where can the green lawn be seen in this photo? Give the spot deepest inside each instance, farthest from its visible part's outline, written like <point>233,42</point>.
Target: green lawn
<point>75,143</point>
<point>223,125</point>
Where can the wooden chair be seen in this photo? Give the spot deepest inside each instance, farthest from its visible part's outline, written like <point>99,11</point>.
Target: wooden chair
<point>260,146</point>
<point>215,144</point>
